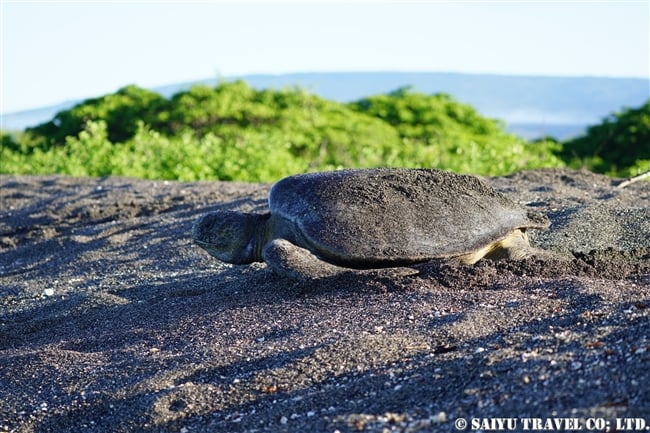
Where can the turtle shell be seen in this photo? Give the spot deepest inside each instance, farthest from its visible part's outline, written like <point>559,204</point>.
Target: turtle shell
<point>392,216</point>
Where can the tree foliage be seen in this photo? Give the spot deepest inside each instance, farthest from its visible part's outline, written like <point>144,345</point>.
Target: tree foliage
<point>232,131</point>
<point>621,143</point>
<point>428,117</point>
<point>437,131</point>
<point>121,111</point>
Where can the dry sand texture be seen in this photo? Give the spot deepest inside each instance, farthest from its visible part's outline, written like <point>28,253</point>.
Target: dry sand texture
<point>112,321</point>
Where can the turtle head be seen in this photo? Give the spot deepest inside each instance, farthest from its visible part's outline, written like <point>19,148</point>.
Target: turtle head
<point>232,237</point>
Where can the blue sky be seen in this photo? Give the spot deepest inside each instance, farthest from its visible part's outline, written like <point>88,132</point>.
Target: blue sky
<point>53,51</point>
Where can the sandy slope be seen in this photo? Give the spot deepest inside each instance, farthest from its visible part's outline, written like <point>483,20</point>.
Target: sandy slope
<point>111,320</point>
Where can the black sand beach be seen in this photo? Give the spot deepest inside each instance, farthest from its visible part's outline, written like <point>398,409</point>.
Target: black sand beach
<point>111,320</point>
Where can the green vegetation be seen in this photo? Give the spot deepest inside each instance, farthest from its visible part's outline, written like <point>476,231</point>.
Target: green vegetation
<point>436,131</point>
<point>619,145</point>
<point>234,132</point>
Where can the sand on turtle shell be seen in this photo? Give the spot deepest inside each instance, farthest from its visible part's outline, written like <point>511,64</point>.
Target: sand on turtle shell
<point>112,321</point>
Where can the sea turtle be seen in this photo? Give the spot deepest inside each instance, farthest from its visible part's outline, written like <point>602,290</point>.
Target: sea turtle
<point>320,224</point>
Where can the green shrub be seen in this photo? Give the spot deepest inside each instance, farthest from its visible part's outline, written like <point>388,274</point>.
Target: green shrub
<point>619,145</point>
<point>437,131</point>
<point>121,111</point>
<point>234,132</point>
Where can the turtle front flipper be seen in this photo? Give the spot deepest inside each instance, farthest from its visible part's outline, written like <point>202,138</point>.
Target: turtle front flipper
<point>289,260</point>
<point>292,261</point>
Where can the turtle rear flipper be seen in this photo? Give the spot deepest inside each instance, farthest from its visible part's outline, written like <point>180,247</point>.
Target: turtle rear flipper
<point>516,246</point>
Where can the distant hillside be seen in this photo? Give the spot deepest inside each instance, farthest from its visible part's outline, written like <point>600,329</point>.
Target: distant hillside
<point>531,106</point>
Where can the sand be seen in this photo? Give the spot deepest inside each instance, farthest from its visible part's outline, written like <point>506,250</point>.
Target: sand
<point>111,320</point>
